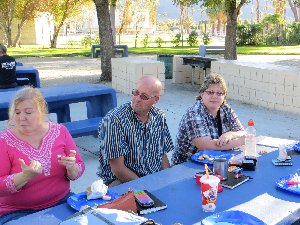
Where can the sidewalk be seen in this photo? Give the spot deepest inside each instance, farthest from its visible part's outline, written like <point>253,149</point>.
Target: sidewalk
<point>175,101</point>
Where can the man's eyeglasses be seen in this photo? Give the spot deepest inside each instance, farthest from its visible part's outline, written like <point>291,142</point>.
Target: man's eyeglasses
<point>143,96</point>
<point>210,93</point>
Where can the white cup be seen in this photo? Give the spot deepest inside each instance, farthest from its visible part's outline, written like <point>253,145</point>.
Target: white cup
<point>209,191</point>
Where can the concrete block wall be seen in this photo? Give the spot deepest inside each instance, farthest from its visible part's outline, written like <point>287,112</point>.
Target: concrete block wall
<point>268,85</point>
<point>183,73</point>
<point>126,71</point>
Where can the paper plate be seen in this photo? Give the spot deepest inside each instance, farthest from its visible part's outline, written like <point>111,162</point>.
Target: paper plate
<point>212,154</point>
<point>232,218</point>
<point>78,200</point>
<point>297,146</point>
<point>283,183</point>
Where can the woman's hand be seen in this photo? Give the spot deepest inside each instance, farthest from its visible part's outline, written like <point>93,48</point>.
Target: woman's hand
<point>28,172</point>
<point>33,169</point>
<point>69,161</point>
<point>224,139</point>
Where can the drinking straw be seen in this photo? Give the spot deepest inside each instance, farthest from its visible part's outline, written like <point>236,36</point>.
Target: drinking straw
<point>206,170</point>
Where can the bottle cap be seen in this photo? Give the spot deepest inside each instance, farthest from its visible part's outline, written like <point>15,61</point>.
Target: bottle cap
<point>250,122</point>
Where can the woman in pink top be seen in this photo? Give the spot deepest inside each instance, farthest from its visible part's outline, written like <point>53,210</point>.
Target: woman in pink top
<point>38,158</point>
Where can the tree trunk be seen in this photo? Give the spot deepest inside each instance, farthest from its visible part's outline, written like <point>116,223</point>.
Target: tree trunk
<point>230,39</point>
<point>113,22</point>
<point>181,24</point>
<point>106,38</point>
<point>8,36</point>
<point>232,12</point>
<point>294,10</point>
<point>257,11</point>
<point>18,35</point>
<point>53,39</point>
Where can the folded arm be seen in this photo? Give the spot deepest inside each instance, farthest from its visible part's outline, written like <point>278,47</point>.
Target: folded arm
<point>226,141</point>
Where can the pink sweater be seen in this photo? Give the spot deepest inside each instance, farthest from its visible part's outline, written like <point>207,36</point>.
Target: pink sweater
<point>44,190</point>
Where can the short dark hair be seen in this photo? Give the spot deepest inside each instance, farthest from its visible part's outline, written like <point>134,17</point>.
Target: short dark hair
<point>3,49</point>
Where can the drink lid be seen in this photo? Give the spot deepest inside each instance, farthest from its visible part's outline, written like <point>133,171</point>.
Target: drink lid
<point>250,122</point>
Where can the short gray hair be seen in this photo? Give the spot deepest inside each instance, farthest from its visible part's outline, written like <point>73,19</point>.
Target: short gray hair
<point>3,49</point>
<point>24,94</point>
<point>213,78</point>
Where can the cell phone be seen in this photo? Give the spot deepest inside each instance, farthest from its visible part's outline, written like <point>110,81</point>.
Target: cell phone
<point>143,199</point>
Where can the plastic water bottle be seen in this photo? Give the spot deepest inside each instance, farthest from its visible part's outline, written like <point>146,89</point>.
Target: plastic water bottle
<point>250,141</point>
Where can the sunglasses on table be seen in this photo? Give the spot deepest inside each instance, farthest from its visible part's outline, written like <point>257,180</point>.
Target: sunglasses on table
<point>143,96</point>
<point>210,93</point>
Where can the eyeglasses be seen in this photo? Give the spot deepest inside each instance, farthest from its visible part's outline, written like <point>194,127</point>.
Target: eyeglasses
<point>143,96</point>
<point>210,93</point>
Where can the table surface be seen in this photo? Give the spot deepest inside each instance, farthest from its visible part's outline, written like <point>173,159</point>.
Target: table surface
<point>177,188</point>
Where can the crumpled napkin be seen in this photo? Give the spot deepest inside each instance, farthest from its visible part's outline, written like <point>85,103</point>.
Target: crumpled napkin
<point>98,190</point>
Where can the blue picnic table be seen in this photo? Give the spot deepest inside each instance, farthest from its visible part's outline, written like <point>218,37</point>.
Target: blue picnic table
<point>177,188</point>
<point>99,100</point>
<point>30,73</point>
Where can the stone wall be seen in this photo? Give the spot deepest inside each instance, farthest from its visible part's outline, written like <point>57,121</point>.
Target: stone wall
<point>126,71</point>
<point>268,85</point>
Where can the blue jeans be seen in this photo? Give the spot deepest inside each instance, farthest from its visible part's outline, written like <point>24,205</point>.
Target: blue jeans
<point>17,214</point>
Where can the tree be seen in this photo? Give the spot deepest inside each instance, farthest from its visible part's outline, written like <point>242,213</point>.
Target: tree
<point>216,13</point>
<point>184,4</point>
<point>232,9</point>
<point>295,7</point>
<point>106,38</point>
<point>7,11</point>
<point>257,11</point>
<point>279,6</point>
<point>25,10</point>
<point>112,12</point>
<point>61,11</point>
<point>125,16</point>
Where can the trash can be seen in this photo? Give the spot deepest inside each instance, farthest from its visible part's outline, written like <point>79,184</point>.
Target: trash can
<point>168,61</point>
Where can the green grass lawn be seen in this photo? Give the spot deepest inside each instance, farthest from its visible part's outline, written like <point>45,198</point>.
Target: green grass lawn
<point>73,52</point>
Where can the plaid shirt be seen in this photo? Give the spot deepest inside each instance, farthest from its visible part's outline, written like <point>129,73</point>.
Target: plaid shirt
<point>142,145</point>
<point>198,122</point>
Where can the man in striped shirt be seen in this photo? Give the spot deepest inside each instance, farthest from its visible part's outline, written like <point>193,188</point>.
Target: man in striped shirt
<point>134,137</point>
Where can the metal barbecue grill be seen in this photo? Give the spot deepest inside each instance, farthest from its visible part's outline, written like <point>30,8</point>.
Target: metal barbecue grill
<point>202,62</point>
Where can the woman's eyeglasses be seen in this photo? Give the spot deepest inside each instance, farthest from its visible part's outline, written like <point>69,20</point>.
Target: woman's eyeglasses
<point>210,93</point>
<point>143,96</point>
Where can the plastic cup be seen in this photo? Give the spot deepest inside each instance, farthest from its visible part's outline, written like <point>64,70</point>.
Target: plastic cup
<point>220,167</point>
<point>209,191</point>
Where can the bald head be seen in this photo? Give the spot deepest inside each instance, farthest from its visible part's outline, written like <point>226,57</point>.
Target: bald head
<point>153,84</point>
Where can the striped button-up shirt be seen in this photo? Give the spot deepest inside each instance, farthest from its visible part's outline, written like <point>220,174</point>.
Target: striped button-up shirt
<point>198,122</point>
<point>141,144</point>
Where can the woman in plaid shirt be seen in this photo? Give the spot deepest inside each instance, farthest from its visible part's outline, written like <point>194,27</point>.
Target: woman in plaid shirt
<point>209,124</point>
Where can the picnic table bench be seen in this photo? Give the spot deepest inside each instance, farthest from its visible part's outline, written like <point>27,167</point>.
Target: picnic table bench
<point>203,49</point>
<point>121,49</point>
<point>99,100</point>
<point>28,73</point>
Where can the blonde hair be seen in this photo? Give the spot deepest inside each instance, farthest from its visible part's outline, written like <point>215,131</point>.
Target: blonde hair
<point>213,78</point>
<point>24,94</point>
